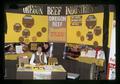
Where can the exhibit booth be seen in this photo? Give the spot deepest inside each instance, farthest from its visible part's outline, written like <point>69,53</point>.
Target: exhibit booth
<point>75,39</point>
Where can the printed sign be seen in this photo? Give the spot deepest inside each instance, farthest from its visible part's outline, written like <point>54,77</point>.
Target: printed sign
<point>37,75</point>
<point>57,28</point>
<point>33,27</point>
<point>76,20</point>
<point>89,30</point>
<point>57,21</point>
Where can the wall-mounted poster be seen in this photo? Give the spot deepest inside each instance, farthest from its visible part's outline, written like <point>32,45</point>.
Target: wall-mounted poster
<point>21,27</point>
<point>90,31</point>
<point>57,28</point>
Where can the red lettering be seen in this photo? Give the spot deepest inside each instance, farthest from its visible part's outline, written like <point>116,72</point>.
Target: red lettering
<point>57,34</point>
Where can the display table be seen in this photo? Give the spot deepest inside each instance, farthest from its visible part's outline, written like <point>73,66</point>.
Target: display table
<point>42,72</point>
<point>14,56</point>
<point>98,62</point>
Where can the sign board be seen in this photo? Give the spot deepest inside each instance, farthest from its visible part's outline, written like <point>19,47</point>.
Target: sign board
<point>57,28</point>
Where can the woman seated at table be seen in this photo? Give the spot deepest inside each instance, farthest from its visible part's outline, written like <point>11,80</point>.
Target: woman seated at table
<point>39,57</point>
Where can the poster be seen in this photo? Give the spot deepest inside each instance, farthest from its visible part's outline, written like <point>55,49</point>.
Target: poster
<point>57,28</point>
<point>37,75</point>
<point>90,30</point>
<point>19,49</point>
<point>26,28</point>
<point>76,20</point>
<point>80,24</point>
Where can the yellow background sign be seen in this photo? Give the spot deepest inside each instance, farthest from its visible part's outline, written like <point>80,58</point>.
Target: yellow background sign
<point>39,23</point>
<point>42,21</point>
<point>71,30</point>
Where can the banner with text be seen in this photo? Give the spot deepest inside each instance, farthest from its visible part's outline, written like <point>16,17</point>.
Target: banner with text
<point>57,28</point>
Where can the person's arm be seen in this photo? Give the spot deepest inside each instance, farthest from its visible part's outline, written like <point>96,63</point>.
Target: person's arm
<point>32,59</point>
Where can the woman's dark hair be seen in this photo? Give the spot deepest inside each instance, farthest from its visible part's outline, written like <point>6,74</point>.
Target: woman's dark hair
<point>39,46</point>
<point>46,50</point>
